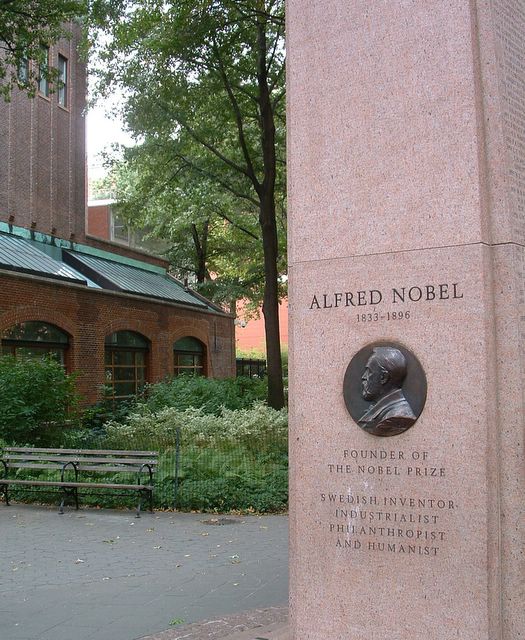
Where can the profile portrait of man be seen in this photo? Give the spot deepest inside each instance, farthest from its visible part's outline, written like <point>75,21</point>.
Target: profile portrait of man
<point>381,384</point>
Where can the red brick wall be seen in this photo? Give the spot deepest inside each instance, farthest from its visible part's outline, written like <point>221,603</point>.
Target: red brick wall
<point>88,315</point>
<point>251,337</point>
<point>42,154</point>
<point>98,235</point>
<point>98,221</point>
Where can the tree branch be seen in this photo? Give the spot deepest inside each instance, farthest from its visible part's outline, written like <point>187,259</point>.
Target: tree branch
<point>222,215</point>
<point>230,163</point>
<point>238,120</point>
<point>276,80</point>
<point>274,49</point>
<point>218,180</point>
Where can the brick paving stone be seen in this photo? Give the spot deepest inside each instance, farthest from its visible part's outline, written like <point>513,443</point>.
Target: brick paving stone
<point>109,575</point>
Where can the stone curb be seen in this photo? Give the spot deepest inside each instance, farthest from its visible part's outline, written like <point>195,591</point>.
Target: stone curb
<point>258,624</point>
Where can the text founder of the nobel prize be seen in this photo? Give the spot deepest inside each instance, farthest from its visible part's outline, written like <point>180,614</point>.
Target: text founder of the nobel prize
<point>381,383</point>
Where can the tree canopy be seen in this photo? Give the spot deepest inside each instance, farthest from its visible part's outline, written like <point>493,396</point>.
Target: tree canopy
<point>214,237</point>
<point>204,95</point>
<point>27,27</point>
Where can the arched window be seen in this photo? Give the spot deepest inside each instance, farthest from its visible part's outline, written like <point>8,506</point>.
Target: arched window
<point>35,339</point>
<point>125,363</point>
<point>188,357</point>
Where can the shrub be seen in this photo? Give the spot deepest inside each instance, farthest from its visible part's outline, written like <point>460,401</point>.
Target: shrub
<point>37,398</point>
<point>147,428</point>
<point>236,460</point>
<point>96,415</point>
<point>230,459</point>
<point>208,394</point>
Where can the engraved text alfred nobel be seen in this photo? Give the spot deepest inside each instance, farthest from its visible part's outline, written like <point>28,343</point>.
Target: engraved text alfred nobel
<point>373,297</point>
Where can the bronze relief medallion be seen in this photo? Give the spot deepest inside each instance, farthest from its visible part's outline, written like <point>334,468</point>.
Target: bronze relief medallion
<point>385,388</point>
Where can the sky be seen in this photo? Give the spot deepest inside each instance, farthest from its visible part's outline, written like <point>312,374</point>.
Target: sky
<point>101,131</point>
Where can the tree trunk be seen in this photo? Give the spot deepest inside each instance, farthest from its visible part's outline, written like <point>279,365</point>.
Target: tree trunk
<point>271,305</point>
<point>268,224</point>
<point>201,251</point>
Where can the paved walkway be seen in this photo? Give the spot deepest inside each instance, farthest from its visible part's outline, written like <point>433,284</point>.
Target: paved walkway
<point>105,575</point>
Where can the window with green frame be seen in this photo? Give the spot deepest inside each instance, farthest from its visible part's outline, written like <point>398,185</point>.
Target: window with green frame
<point>125,364</point>
<point>34,339</point>
<point>188,357</point>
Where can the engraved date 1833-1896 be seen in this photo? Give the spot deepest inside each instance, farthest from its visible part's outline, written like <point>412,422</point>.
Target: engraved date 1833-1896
<point>388,315</point>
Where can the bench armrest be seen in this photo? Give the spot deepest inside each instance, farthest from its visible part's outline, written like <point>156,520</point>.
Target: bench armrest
<point>150,472</point>
<point>63,470</point>
<point>4,465</point>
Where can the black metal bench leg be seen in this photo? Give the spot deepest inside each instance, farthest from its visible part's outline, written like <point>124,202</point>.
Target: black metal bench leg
<point>139,505</point>
<point>61,507</point>
<point>68,492</point>
<point>6,495</point>
<point>151,501</point>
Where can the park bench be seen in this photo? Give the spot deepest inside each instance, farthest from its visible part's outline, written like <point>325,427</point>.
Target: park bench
<point>72,469</point>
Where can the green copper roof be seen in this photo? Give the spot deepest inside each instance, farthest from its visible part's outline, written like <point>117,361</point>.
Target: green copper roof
<point>20,255</point>
<point>39,254</point>
<point>130,279</point>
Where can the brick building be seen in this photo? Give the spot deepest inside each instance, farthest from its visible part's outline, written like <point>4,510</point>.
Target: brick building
<point>103,224</point>
<point>111,313</point>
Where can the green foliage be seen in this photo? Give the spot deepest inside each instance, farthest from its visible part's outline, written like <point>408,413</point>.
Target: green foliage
<point>211,395</point>
<point>26,25</point>
<point>236,460</point>
<point>204,86</point>
<point>230,458</point>
<point>175,621</point>
<point>37,398</point>
<point>95,416</point>
<point>242,425</point>
<point>284,356</point>
<point>251,354</point>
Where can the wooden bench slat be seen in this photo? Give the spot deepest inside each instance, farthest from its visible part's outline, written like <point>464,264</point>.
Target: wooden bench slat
<point>64,459</point>
<point>51,483</point>
<point>80,467</point>
<point>34,465</point>
<point>89,485</point>
<point>102,469</point>
<point>101,485</point>
<point>80,451</point>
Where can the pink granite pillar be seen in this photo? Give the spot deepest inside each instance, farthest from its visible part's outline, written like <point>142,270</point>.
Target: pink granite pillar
<point>407,227</point>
